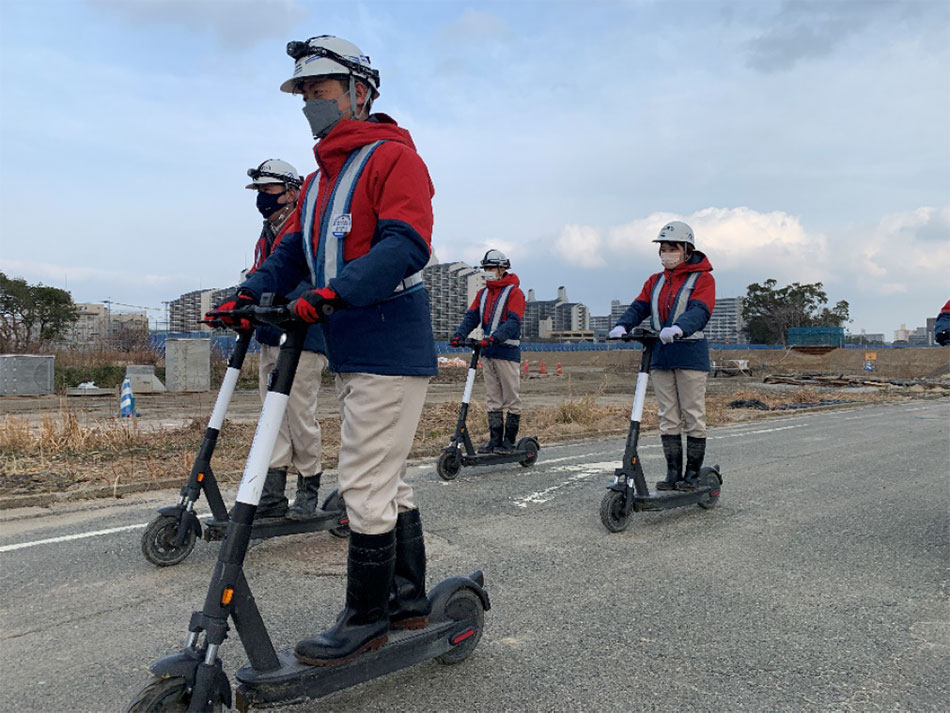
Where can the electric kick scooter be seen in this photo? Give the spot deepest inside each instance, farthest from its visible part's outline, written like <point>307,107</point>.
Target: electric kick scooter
<point>629,492</point>
<point>453,457</point>
<point>170,537</point>
<point>193,679</point>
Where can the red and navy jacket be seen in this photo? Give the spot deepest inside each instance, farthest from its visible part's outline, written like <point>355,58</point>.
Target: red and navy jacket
<point>943,319</point>
<point>266,334</point>
<point>380,331</point>
<point>509,327</point>
<point>682,353</point>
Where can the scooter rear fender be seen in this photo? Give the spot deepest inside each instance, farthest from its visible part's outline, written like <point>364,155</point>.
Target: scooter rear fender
<point>439,595</point>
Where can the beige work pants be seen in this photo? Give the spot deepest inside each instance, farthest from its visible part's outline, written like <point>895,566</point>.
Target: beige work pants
<point>378,419</point>
<point>299,443</point>
<point>502,384</point>
<point>681,401</point>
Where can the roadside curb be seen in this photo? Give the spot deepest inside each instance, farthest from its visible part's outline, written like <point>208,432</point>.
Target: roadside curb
<point>100,491</point>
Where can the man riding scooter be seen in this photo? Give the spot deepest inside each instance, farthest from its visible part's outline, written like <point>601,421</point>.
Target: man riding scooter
<point>498,308</point>
<point>299,442</point>
<point>362,233</point>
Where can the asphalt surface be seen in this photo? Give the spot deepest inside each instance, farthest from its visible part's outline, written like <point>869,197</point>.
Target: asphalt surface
<point>818,583</point>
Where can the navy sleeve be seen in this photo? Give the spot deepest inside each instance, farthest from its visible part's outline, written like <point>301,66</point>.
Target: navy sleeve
<point>397,252</point>
<point>694,318</point>
<point>283,269</point>
<point>469,322</point>
<point>636,313</point>
<point>509,329</point>
<point>942,323</point>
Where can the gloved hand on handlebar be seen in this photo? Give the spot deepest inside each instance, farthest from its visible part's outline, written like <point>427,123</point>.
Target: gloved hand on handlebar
<point>455,341</point>
<point>668,334</point>
<point>311,307</point>
<point>617,332</point>
<point>487,342</point>
<point>239,300</point>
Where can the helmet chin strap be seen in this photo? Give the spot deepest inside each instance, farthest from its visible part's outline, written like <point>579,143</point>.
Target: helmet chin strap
<point>351,93</point>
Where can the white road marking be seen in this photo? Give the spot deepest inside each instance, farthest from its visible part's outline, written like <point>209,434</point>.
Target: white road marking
<point>584,471</point>
<point>67,538</point>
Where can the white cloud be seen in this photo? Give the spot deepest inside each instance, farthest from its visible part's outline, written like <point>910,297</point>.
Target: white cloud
<point>903,250</point>
<point>736,239</point>
<point>580,245</point>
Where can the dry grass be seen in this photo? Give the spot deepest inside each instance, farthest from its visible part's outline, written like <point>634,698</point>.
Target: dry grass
<point>61,453</point>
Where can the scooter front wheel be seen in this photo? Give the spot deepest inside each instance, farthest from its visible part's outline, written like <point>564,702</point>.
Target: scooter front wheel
<point>709,477</point>
<point>449,465</point>
<point>158,543</point>
<point>464,604</point>
<point>335,502</point>
<point>611,512</point>
<point>164,695</point>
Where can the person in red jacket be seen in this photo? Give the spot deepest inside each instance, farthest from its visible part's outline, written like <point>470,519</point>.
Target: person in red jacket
<point>679,301</point>
<point>942,326</point>
<point>361,234</point>
<point>498,308</point>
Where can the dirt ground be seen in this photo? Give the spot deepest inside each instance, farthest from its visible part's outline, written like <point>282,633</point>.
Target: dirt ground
<point>55,443</point>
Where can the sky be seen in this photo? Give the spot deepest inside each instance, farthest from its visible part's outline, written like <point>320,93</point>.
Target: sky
<point>802,141</point>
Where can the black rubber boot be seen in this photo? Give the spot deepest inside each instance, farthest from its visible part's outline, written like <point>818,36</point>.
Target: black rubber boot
<point>512,424</point>
<point>363,625</point>
<point>306,501</point>
<point>496,424</point>
<point>673,450</point>
<point>273,501</point>
<point>408,605</point>
<point>695,453</point>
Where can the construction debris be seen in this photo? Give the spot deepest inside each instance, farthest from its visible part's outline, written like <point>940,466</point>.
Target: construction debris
<point>850,381</point>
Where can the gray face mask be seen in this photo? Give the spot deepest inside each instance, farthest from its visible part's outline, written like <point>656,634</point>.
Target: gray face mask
<point>323,114</point>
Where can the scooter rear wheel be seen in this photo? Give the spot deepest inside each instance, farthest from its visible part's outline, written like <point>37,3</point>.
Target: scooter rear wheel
<point>335,502</point>
<point>611,512</point>
<point>157,542</point>
<point>708,476</point>
<point>531,454</point>
<point>449,465</point>
<point>464,604</point>
<point>164,695</point>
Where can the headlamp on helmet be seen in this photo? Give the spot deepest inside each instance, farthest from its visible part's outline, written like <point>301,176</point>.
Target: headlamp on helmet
<point>495,259</point>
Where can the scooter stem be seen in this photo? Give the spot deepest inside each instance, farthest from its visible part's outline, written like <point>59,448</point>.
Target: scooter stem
<point>643,377</point>
<point>231,376</point>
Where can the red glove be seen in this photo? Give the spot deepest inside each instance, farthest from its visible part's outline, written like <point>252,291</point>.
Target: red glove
<point>487,342</point>
<point>455,341</point>
<point>236,301</point>
<point>316,305</point>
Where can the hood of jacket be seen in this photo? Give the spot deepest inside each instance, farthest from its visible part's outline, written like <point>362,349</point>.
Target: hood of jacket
<point>509,278</point>
<point>698,262</point>
<point>348,135</point>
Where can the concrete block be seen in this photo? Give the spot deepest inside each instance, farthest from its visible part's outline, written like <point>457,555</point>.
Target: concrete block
<point>188,364</point>
<point>143,380</point>
<point>26,374</point>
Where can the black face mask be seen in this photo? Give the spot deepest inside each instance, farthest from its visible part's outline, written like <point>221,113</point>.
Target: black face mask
<point>267,203</point>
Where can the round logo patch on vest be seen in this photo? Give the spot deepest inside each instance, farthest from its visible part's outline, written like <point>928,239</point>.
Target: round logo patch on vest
<point>341,225</point>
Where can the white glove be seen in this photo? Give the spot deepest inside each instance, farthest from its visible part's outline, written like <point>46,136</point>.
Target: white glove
<point>617,332</point>
<point>668,334</point>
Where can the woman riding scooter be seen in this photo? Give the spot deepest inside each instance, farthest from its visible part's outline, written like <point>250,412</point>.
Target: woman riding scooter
<point>498,308</point>
<point>679,301</point>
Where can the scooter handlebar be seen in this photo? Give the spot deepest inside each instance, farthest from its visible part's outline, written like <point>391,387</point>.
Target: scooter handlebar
<point>637,335</point>
<point>280,316</point>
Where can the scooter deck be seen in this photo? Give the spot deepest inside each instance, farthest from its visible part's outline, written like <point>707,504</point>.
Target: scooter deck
<point>668,499</point>
<point>493,458</point>
<point>276,526</point>
<point>295,681</point>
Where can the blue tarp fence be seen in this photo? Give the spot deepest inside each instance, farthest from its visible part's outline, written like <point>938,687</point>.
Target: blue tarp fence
<point>222,345</point>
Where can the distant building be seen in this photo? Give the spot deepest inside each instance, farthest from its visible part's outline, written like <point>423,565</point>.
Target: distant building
<point>725,325</point>
<point>452,287</point>
<point>543,319</point>
<point>920,337</point>
<point>901,335</point>
<point>97,324</point>
<point>186,312</point>
<point>865,338</point>
<point>617,308</point>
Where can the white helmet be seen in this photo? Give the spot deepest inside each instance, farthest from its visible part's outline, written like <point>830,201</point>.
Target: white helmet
<point>273,170</point>
<point>494,259</point>
<point>676,232</point>
<point>327,55</point>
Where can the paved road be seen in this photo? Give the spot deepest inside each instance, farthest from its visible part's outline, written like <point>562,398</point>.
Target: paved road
<point>819,583</point>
